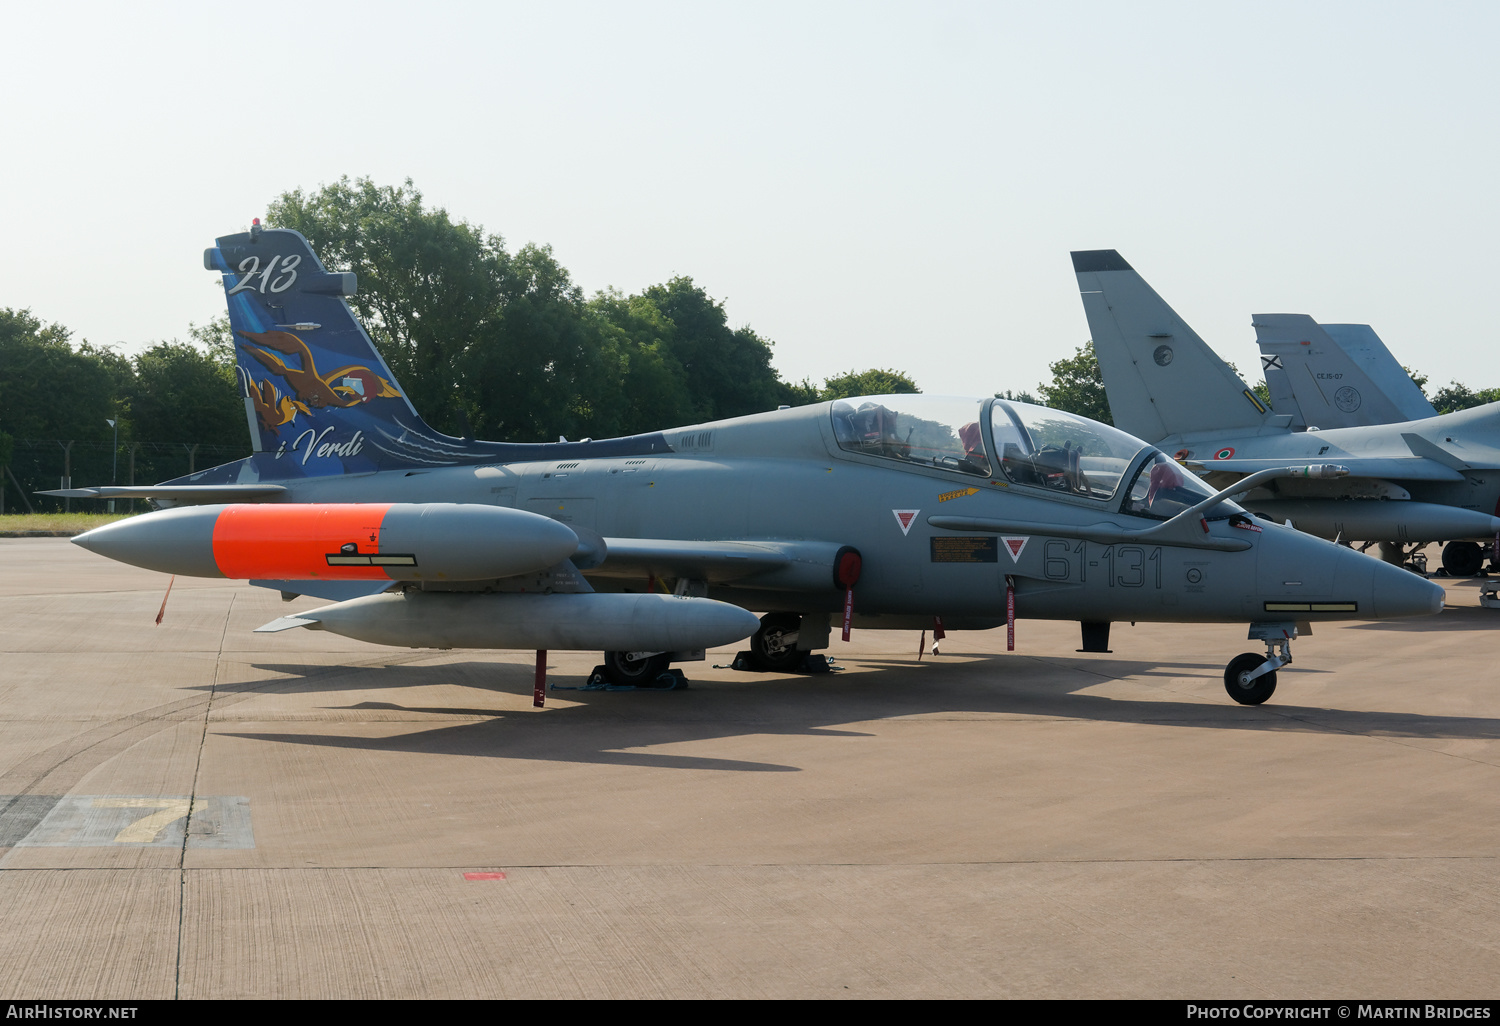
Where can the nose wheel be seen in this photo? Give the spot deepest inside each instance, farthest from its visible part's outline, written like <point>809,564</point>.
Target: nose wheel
<point>1244,688</point>
<point>1250,679</point>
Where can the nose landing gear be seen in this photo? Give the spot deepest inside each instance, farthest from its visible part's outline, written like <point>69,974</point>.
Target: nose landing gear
<point>1250,679</point>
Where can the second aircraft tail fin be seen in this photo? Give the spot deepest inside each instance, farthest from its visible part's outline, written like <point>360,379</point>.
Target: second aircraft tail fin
<point>1334,375</point>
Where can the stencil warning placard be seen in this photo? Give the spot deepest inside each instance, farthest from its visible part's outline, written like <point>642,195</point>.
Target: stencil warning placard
<point>980,549</point>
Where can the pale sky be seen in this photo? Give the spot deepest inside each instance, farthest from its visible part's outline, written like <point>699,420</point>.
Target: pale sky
<point>867,184</point>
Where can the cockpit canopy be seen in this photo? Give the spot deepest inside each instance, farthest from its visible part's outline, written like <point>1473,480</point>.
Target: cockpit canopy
<point>937,431</point>
<point>1061,451</point>
<point>1018,442</point>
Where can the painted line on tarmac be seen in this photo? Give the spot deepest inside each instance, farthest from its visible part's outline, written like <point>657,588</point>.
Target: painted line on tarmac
<point>140,821</point>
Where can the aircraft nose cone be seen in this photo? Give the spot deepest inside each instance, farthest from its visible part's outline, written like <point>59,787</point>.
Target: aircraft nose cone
<point>1398,592</point>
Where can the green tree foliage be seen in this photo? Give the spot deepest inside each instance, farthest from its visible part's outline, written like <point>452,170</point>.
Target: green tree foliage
<point>430,290</point>
<point>182,393</point>
<point>50,388</point>
<point>651,390</point>
<point>1019,397</point>
<point>1077,386</point>
<point>728,371</point>
<point>505,346</point>
<point>53,391</point>
<point>216,339</point>
<point>1454,397</point>
<point>875,381</point>
<point>801,393</point>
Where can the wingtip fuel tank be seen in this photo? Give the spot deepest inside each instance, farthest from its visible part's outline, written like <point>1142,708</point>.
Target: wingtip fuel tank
<point>432,541</point>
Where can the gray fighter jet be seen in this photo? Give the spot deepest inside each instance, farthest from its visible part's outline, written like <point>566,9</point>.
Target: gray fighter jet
<point>1436,478</point>
<point>1334,375</point>
<point>897,511</point>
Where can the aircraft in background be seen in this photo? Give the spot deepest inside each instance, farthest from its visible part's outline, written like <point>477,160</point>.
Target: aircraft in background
<point>1334,375</point>
<point>1431,479</point>
<point>897,511</point>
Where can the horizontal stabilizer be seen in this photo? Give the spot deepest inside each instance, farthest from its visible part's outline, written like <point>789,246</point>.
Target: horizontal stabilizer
<point>186,494</point>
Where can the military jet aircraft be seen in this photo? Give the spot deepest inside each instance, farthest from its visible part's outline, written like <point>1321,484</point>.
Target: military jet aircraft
<point>1334,375</point>
<point>897,511</point>
<point>1432,479</point>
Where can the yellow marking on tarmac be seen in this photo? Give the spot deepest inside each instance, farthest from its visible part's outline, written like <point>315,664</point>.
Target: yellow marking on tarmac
<point>144,831</point>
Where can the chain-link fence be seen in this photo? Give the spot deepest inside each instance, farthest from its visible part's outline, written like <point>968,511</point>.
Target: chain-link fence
<point>50,463</point>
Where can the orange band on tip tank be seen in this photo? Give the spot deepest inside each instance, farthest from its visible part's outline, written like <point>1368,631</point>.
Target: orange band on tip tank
<point>292,541</point>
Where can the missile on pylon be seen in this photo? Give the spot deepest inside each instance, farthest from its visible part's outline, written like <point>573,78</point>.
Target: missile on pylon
<point>431,541</point>
<point>589,621</point>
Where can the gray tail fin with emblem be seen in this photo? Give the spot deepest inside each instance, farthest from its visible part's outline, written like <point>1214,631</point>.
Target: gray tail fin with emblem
<point>1163,381</point>
<point>1334,375</point>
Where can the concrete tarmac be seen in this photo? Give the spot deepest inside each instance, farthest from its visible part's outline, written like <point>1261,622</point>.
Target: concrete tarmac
<point>197,811</point>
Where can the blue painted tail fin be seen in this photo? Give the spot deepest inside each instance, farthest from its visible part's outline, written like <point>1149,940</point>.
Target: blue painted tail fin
<point>318,397</point>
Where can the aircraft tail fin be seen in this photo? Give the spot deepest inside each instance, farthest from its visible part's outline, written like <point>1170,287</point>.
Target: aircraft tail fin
<point>1334,375</point>
<point>1162,379</point>
<point>319,399</point>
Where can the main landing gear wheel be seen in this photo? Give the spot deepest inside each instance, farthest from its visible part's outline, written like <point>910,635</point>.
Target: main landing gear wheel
<point>774,646</point>
<point>1248,692</point>
<point>619,668</point>
<point>1462,559</point>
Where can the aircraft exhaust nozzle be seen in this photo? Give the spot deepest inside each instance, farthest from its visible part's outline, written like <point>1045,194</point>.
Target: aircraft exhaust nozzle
<point>586,622</point>
<point>337,541</point>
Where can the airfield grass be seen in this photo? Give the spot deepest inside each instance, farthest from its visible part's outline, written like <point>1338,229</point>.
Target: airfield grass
<point>24,525</point>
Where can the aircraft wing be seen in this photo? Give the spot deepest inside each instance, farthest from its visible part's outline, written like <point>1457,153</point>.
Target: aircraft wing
<point>333,591</point>
<point>188,494</point>
<point>797,565</point>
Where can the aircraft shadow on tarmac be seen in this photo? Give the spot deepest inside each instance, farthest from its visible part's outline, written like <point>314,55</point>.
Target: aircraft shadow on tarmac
<point>612,728</point>
<point>1453,618</point>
